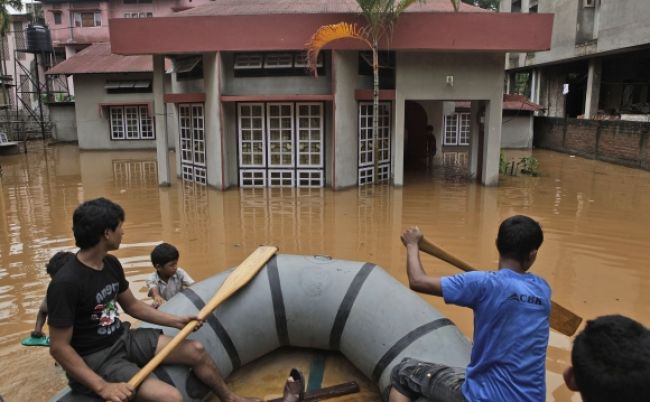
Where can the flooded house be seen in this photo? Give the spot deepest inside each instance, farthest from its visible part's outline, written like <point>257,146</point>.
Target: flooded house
<point>238,103</point>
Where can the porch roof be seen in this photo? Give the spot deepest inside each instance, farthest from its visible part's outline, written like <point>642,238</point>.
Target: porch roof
<point>97,58</point>
<point>247,27</point>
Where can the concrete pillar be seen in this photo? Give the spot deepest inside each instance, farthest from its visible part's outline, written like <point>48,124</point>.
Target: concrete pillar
<point>525,8</point>
<point>398,141</point>
<point>69,52</point>
<point>593,87</point>
<point>492,141</point>
<point>215,163</point>
<point>159,108</point>
<point>346,113</point>
<point>505,6</point>
<point>475,139</point>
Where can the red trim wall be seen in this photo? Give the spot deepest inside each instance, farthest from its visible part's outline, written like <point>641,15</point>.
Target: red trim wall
<point>195,97</point>
<point>366,94</point>
<point>276,98</point>
<point>498,32</point>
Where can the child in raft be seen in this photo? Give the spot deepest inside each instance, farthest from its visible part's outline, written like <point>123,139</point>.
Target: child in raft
<point>53,266</point>
<point>169,278</point>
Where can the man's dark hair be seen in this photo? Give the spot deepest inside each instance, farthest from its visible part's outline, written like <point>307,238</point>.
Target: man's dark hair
<point>57,262</point>
<point>163,253</point>
<point>611,360</point>
<point>92,218</point>
<point>518,236</point>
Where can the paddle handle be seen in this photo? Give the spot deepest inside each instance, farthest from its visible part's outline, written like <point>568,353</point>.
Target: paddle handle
<point>236,280</point>
<point>561,319</point>
<point>439,253</point>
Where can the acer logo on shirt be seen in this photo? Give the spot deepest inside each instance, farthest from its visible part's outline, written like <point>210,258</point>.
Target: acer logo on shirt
<point>531,299</point>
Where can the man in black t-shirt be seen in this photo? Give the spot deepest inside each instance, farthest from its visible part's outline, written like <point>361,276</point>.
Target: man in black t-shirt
<point>99,352</point>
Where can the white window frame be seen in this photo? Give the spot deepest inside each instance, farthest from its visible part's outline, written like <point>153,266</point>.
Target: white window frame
<point>309,178</point>
<point>301,60</point>
<point>78,19</point>
<point>251,141</point>
<point>281,178</point>
<point>366,154</point>
<point>270,141</point>
<point>127,123</point>
<point>248,61</point>
<point>116,117</point>
<point>252,178</point>
<point>459,132</point>
<point>309,141</point>
<point>191,142</point>
<point>278,60</point>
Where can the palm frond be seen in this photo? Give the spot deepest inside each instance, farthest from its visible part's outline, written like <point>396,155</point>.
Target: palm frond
<point>330,33</point>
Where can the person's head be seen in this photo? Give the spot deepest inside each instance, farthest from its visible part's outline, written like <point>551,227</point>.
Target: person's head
<point>519,239</point>
<point>97,220</point>
<point>57,262</point>
<point>429,128</point>
<point>164,258</point>
<point>611,361</point>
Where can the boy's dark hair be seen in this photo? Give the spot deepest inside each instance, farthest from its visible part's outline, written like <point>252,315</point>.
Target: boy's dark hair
<point>92,218</point>
<point>429,127</point>
<point>163,253</point>
<point>611,360</point>
<point>57,262</point>
<point>518,236</point>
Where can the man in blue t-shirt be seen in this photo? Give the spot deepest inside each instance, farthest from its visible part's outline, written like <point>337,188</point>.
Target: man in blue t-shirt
<point>511,325</point>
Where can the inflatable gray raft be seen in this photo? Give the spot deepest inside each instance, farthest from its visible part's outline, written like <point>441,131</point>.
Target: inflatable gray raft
<point>314,302</point>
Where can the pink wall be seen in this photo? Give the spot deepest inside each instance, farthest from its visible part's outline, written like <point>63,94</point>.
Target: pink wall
<point>65,32</point>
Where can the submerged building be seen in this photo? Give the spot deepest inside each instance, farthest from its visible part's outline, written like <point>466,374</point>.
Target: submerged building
<point>240,107</point>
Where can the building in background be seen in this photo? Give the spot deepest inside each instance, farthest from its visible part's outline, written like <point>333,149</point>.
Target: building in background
<point>598,66</point>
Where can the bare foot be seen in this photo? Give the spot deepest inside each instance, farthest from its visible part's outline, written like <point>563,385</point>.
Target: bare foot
<point>292,390</point>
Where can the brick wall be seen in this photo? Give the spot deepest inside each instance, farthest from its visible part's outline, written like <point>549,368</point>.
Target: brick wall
<point>622,142</point>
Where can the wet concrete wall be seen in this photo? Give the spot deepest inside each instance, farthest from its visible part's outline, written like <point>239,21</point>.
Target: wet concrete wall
<point>93,123</point>
<point>62,116</point>
<point>517,130</point>
<point>622,142</point>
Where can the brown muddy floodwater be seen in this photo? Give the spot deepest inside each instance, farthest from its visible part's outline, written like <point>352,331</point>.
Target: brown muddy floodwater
<point>595,216</point>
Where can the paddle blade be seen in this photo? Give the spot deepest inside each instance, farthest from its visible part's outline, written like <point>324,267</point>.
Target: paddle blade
<point>32,341</point>
<point>239,277</point>
<point>563,320</point>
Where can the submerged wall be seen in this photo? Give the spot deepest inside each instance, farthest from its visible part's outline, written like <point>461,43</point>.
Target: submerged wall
<point>622,142</point>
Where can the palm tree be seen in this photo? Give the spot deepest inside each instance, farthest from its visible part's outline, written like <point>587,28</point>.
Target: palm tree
<point>5,20</point>
<point>381,17</point>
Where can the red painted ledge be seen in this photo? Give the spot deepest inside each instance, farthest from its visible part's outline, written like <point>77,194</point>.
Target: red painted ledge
<point>366,94</point>
<point>193,97</point>
<point>102,106</point>
<point>277,98</point>
<point>488,32</point>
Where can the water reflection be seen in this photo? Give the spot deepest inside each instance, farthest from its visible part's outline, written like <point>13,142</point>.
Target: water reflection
<point>595,218</point>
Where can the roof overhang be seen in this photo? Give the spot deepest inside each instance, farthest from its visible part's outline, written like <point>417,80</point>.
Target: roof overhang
<point>468,31</point>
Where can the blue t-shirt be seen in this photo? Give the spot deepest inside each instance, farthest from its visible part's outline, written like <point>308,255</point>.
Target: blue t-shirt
<point>511,326</point>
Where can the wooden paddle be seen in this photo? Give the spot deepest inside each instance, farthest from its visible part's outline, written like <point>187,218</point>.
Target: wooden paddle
<point>561,320</point>
<point>235,281</point>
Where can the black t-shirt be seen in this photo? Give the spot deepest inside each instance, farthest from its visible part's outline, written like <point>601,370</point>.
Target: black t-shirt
<point>85,299</point>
